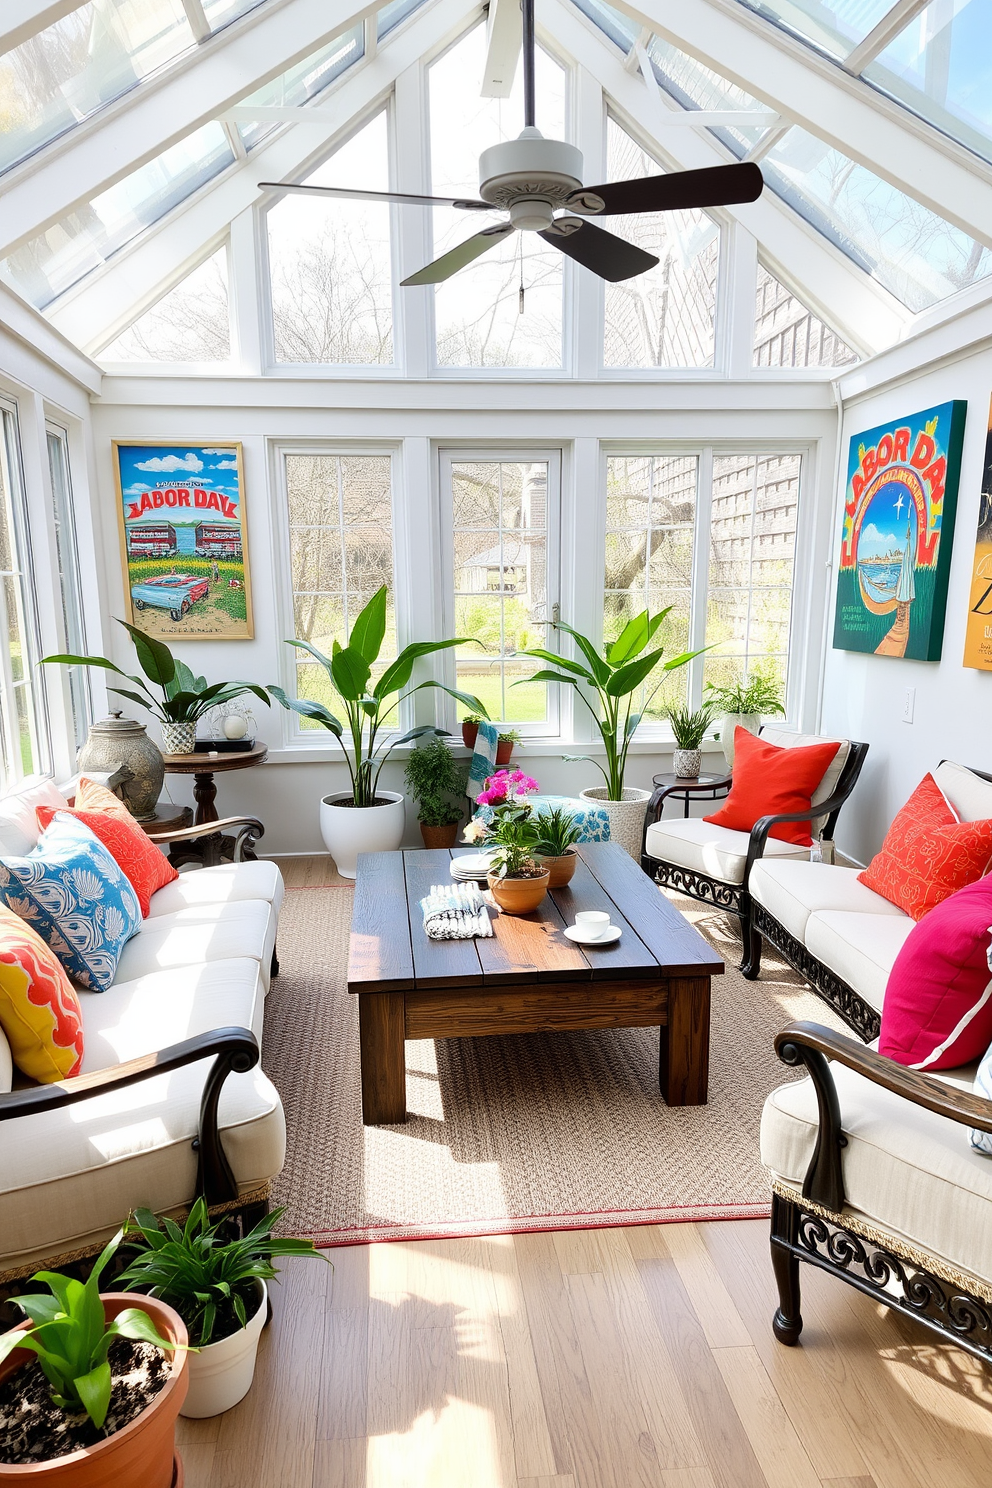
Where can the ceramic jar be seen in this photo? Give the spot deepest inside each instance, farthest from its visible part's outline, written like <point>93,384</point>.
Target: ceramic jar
<point>117,742</point>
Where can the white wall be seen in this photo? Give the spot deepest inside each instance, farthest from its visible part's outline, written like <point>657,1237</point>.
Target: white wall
<point>863,696</point>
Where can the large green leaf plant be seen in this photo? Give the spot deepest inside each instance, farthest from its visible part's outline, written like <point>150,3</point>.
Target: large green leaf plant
<point>368,704</point>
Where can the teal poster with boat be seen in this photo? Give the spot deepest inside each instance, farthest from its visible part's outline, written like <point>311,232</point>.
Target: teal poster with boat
<point>895,556</point>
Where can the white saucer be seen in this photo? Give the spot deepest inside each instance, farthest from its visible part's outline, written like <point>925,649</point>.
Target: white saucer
<point>582,937</point>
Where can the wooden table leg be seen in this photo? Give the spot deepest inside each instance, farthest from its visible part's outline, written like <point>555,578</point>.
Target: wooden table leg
<point>684,1055</point>
<point>381,1027</point>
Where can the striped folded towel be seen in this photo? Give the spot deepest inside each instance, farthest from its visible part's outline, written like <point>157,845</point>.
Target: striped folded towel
<point>455,912</point>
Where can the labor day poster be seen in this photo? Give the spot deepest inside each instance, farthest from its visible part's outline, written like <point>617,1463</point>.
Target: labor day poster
<point>902,486</point>
<point>978,637</point>
<point>184,540</point>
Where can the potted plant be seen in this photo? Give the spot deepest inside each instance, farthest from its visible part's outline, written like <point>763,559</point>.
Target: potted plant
<point>504,749</point>
<point>101,1403</point>
<point>517,880</point>
<point>470,727</point>
<point>689,727</point>
<point>437,783</point>
<point>614,675</point>
<point>744,704</point>
<point>507,738</point>
<point>184,698</point>
<point>557,834</point>
<point>365,818</point>
<point>218,1289</point>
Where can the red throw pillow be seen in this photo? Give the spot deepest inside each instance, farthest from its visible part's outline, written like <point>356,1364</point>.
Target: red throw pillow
<point>937,1011</point>
<point>928,854</point>
<point>145,868</point>
<point>768,780</point>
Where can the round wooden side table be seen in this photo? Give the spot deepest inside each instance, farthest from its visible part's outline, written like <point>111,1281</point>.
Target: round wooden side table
<point>708,787</point>
<point>203,766</point>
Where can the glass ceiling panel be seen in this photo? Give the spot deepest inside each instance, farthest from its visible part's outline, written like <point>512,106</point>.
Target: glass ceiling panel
<point>694,86</point>
<point>393,15</point>
<point>940,66</point>
<point>52,82</point>
<point>222,12</point>
<point>918,256</point>
<point>832,26</point>
<point>305,81</point>
<point>58,258</point>
<point>619,28</point>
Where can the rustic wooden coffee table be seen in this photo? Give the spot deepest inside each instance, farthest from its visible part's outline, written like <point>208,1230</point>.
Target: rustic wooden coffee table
<point>529,977</point>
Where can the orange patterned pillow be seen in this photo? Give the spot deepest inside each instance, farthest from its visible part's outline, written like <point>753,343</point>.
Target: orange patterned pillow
<point>145,868</point>
<point>39,1007</point>
<point>928,854</point>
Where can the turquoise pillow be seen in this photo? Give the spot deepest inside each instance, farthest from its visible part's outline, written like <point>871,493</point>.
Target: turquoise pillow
<point>72,892</point>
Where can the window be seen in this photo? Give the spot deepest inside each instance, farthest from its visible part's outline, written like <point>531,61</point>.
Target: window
<point>788,334</point>
<point>341,552</point>
<point>189,324</point>
<point>23,740</point>
<point>303,82</point>
<point>73,630</point>
<point>330,264</point>
<point>503,527</point>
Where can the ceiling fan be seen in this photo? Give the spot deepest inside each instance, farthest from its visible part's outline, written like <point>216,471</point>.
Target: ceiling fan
<point>533,178</point>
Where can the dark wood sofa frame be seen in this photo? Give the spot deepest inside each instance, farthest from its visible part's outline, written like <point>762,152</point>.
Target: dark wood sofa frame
<point>814,1228</point>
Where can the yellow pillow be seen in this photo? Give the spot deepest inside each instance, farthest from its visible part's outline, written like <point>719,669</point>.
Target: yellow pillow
<point>39,1007</point>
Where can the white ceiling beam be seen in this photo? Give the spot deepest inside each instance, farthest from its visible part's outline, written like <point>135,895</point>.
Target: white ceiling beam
<point>635,57</point>
<point>821,97</point>
<point>108,300</point>
<point>196,15</point>
<point>888,28</point>
<point>720,118</point>
<point>279,113</point>
<point>852,303</point>
<point>166,108</point>
<point>503,42</point>
<point>22,19</point>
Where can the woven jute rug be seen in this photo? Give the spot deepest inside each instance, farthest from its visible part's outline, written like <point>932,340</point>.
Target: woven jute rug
<point>527,1132</point>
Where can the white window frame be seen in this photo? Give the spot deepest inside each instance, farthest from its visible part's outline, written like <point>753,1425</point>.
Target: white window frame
<point>447,456</point>
<point>23,557</point>
<point>64,516</point>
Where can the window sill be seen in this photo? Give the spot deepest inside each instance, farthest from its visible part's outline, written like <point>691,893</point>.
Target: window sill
<point>307,754</point>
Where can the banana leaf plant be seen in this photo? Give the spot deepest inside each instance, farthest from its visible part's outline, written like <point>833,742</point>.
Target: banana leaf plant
<point>614,676</point>
<point>349,668</point>
<point>185,698</point>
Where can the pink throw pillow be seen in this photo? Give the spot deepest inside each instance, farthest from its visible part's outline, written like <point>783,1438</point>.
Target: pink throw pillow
<point>937,1012</point>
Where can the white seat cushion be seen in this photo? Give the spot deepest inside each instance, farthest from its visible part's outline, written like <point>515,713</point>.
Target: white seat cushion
<point>704,848</point>
<point>860,948</point>
<point>793,891</point>
<point>71,1176</point>
<point>19,831</point>
<point>221,885</point>
<point>209,932</point>
<point>907,1171</point>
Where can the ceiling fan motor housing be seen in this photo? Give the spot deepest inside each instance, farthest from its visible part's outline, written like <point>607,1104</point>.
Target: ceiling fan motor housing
<point>530,177</point>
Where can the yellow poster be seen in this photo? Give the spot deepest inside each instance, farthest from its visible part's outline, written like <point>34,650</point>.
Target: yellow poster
<point>978,639</point>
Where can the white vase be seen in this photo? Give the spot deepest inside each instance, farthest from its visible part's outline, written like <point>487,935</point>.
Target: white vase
<point>349,830</point>
<point>750,721</point>
<point>626,816</point>
<point>687,763</point>
<point>221,1373</point>
<point>178,738</point>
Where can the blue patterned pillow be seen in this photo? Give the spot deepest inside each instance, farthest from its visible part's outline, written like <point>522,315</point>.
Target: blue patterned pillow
<point>592,821</point>
<point>72,892</point>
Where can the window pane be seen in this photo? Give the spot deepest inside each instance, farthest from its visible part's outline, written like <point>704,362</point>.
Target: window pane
<point>833,26</point>
<point>307,80</point>
<point>393,15</point>
<point>73,637</point>
<point>341,552</point>
<point>650,531</point>
<point>501,583</point>
<point>189,324</point>
<point>694,86</point>
<point>752,552</point>
<point>479,323</point>
<point>330,262</point>
<point>663,318</point>
<point>21,752</point>
<point>787,334</point>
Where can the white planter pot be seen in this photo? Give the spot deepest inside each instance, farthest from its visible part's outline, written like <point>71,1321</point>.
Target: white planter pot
<point>687,763</point>
<point>626,816</point>
<point>350,830</point>
<point>750,721</point>
<point>178,738</point>
<point>221,1373</point>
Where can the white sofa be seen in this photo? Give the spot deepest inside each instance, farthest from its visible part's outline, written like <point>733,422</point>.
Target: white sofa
<point>840,934</point>
<point>190,988</point>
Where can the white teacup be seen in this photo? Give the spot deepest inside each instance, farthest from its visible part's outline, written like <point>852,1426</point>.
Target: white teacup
<point>592,921</point>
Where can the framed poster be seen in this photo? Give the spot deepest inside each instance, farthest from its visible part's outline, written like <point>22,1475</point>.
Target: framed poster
<point>184,539</point>
<point>902,486</point>
<point>978,636</point>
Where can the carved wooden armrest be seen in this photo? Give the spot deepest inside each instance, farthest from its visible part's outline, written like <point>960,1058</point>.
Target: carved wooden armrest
<point>210,829</point>
<point>813,1045</point>
<point>234,1050</point>
<point>764,824</point>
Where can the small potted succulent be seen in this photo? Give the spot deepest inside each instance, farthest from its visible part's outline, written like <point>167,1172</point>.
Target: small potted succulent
<point>745,704</point>
<point>504,749</point>
<point>218,1289</point>
<point>90,1387</point>
<point>689,727</point>
<point>557,834</point>
<point>437,781</point>
<point>470,728</point>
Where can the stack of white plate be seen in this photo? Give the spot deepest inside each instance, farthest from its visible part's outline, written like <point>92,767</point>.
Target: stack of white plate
<point>470,866</point>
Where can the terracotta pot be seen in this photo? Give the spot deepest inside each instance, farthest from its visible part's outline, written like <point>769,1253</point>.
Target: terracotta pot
<point>439,836</point>
<point>518,895</point>
<point>561,869</point>
<point>470,732</point>
<point>504,749</point>
<point>143,1454</point>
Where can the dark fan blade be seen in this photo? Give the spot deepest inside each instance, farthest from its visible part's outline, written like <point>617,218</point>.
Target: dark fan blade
<point>607,255</point>
<point>450,263</point>
<point>715,186</point>
<point>385,196</point>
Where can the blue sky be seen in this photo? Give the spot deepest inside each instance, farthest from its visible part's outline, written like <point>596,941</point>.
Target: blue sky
<point>150,467</point>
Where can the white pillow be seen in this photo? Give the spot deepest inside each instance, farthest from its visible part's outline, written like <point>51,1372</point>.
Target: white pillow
<point>968,793</point>
<point>19,831</point>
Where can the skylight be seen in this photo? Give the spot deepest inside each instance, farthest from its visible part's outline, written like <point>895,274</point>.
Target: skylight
<point>306,81</point>
<point>832,26</point>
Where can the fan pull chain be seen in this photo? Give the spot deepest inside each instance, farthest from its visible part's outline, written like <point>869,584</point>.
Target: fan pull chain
<point>520,298</point>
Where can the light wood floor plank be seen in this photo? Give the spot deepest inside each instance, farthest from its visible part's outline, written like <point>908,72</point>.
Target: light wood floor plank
<point>646,1242</point>
<point>340,1464</point>
<point>783,1458</point>
<point>714,1307</point>
<point>848,1483</point>
<point>533,1449</point>
<point>198,1463</point>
